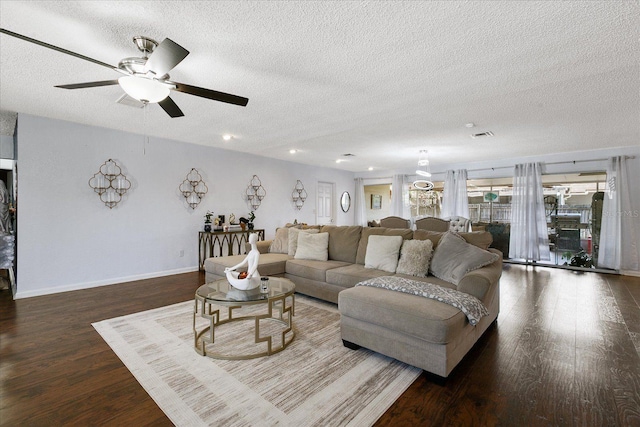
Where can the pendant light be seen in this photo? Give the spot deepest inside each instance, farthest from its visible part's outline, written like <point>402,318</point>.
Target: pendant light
<point>423,171</point>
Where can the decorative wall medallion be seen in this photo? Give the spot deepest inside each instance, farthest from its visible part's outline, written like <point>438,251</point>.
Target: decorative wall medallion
<point>298,195</point>
<point>193,188</point>
<point>255,192</point>
<point>110,183</point>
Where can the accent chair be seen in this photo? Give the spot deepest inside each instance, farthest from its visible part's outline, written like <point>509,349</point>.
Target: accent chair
<point>395,222</point>
<point>431,223</point>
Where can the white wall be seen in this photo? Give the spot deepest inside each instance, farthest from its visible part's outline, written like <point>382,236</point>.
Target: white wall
<point>6,147</point>
<point>68,239</point>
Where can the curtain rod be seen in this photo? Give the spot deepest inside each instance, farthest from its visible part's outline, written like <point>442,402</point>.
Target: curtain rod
<point>547,163</point>
<point>374,177</point>
<point>508,167</point>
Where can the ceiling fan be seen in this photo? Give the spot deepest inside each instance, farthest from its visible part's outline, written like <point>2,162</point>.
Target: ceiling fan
<point>146,78</point>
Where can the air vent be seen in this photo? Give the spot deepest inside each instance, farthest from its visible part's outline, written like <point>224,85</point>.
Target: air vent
<point>481,135</point>
<point>348,155</point>
<point>129,101</point>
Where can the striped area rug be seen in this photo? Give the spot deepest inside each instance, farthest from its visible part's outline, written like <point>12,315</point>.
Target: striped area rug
<point>315,381</point>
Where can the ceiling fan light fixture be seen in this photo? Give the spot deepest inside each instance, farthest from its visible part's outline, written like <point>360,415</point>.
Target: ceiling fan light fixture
<point>143,89</point>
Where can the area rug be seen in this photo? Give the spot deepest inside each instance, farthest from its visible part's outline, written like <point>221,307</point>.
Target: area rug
<point>315,381</point>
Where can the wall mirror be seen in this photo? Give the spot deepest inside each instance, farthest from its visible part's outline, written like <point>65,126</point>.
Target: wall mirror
<point>345,201</point>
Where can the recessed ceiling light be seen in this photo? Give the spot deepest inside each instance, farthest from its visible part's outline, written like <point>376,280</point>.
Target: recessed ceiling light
<point>339,161</point>
<point>293,151</point>
<point>370,168</point>
<point>226,137</point>
<point>470,125</point>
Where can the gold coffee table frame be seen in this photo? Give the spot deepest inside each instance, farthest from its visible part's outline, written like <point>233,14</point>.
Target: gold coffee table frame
<point>220,293</point>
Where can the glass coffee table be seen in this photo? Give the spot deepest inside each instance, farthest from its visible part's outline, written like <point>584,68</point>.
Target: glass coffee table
<point>237,325</point>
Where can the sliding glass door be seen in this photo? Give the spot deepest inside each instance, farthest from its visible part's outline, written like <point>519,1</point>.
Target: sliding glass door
<point>573,205</point>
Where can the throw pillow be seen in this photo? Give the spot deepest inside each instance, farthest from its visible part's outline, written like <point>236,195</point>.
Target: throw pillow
<point>293,238</point>
<point>343,242</point>
<point>454,257</point>
<point>314,246</point>
<point>280,243</point>
<point>414,257</point>
<point>382,253</point>
<point>361,253</point>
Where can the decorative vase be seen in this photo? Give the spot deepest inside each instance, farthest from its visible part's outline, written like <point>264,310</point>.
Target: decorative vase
<point>250,226</point>
<point>207,228</point>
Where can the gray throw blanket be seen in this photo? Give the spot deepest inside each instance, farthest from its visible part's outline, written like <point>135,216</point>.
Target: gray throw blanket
<point>471,306</point>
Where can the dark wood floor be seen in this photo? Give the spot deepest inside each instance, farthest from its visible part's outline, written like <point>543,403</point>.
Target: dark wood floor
<point>564,352</point>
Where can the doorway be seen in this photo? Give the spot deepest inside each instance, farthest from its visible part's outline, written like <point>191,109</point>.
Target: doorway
<point>325,205</point>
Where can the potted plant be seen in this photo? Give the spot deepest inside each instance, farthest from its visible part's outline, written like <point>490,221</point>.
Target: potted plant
<point>207,221</point>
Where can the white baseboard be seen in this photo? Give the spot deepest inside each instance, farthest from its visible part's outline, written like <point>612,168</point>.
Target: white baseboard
<point>630,273</point>
<point>88,285</point>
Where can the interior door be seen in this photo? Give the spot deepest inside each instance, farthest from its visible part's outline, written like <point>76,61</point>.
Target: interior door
<point>324,208</point>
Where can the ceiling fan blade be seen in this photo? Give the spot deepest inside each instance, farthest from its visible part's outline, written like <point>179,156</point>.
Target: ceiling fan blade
<point>171,108</point>
<point>210,94</point>
<point>165,56</point>
<point>89,84</point>
<point>59,49</point>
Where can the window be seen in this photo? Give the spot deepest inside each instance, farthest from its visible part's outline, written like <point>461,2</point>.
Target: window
<point>425,203</point>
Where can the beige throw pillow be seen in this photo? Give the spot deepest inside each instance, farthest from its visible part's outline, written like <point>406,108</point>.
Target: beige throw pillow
<point>313,246</point>
<point>414,257</point>
<point>280,243</point>
<point>293,238</point>
<point>382,253</point>
<point>454,257</point>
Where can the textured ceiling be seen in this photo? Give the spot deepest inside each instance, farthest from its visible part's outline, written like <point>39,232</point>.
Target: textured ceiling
<point>380,80</point>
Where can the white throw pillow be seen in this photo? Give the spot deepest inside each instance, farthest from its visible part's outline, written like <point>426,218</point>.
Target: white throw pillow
<point>382,252</point>
<point>414,257</point>
<point>314,246</point>
<point>293,238</point>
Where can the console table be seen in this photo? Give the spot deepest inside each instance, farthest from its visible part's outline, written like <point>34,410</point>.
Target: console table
<point>213,243</point>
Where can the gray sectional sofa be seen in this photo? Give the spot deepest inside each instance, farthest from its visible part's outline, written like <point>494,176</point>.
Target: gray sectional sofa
<point>419,331</point>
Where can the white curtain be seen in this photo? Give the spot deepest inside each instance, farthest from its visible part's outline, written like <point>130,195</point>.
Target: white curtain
<point>529,237</point>
<point>619,224</point>
<point>448,195</point>
<point>455,201</point>
<point>462,197</point>
<point>360,204</point>
<point>399,196</point>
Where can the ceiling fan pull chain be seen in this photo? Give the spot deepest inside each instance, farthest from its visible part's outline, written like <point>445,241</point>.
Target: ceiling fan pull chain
<point>145,137</point>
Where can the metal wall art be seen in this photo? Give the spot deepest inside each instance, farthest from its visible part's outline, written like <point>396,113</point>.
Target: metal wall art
<point>298,195</point>
<point>110,183</point>
<point>255,192</point>
<point>193,188</point>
